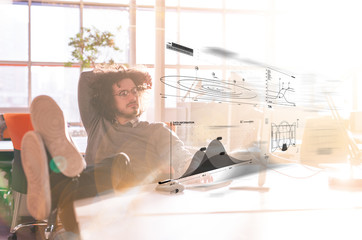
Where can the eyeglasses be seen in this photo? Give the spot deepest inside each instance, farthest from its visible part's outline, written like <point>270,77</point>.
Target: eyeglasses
<point>125,93</point>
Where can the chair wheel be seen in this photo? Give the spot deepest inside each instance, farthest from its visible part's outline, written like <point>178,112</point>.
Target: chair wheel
<point>12,236</point>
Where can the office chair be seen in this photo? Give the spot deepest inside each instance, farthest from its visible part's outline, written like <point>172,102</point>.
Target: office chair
<point>18,124</point>
<point>6,159</point>
<point>4,133</point>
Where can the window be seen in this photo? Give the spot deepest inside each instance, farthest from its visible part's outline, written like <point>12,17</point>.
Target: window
<point>114,20</point>
<point>13,86</point>
<point>14,37</point>
<point>61,84</point>
<point>237,26</point>
<point>302,37</point>
<point>29,71</point>
<point>49,39</point>
<point>145,32</point>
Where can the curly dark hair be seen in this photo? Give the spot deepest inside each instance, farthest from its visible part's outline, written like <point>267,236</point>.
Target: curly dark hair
<point>102,97</point>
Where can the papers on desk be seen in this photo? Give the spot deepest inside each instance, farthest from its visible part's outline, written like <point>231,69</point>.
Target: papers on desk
<point>6,146</point>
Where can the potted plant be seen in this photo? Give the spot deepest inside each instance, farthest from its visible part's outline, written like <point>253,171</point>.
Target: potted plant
<point>87,45</point>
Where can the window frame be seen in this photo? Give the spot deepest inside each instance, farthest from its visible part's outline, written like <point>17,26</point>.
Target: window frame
<point>159,65</point>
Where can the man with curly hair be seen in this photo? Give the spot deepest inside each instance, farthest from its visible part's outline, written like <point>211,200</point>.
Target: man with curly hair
<point>111,100</point>
<point>122,151</point>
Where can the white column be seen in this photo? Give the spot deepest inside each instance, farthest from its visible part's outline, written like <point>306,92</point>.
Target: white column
<point>132,33</point>
<point>159,60</point>
<point>29,55</point>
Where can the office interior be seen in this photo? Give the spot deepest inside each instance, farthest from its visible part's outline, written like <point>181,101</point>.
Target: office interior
<point>277,80</point>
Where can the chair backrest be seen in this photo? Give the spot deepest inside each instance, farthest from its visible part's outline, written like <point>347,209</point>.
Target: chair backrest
<point>4,133</point>
<point>5,157</point>
<point>18,124</point>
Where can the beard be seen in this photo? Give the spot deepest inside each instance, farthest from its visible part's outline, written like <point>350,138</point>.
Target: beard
<point>131,115</point>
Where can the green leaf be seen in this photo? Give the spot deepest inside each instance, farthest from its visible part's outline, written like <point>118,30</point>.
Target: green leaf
<point>87,44</point>
<point>68,64</point>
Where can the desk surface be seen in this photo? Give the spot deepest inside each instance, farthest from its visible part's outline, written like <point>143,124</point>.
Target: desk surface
<point>80,143</point>
<point>298,205</point>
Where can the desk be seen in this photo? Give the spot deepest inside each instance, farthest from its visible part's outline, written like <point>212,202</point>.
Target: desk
<point>79,142</point>
<point>293,208</point>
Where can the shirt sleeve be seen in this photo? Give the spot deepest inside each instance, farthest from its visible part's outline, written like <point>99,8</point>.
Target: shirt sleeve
<point>172,149</point>
<point>87,111</point>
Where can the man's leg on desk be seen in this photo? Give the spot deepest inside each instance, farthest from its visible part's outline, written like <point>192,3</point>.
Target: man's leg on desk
<point>68,180</point>
<point>96,180</point>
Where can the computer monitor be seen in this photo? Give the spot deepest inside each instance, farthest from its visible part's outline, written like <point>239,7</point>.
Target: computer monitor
<point>324,142</point>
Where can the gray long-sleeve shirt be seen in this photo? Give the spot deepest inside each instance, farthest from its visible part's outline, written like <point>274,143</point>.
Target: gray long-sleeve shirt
<point>150,146</point>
